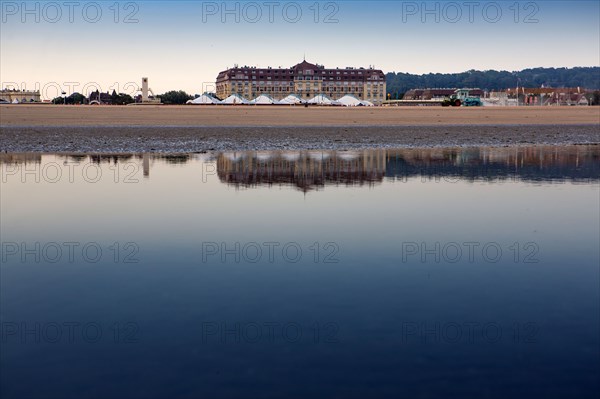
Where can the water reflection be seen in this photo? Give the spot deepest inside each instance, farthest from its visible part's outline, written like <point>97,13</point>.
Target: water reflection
<point>423,281</point>
<point>310,170</point>
<point>304,169</point>
<point>313,169</point>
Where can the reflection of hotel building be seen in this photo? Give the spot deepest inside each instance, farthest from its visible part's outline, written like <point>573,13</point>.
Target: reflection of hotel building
<point>305,80</point>
<point>312,169</point>
<point>304,169</point>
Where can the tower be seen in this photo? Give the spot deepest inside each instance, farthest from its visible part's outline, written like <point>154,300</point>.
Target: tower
<point>144,90</point>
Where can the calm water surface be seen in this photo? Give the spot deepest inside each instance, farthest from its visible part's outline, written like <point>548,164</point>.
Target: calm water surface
<point>400,273</point>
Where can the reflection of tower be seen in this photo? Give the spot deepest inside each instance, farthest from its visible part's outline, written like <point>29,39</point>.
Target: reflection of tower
<point>146,165</point>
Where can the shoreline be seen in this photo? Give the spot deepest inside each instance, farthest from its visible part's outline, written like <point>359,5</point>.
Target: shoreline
<point>179,139</point>
<point>192,129</point>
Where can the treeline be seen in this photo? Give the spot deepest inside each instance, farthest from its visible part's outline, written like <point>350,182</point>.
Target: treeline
<point>170,97</point>
<point>105,98</point>
<point>584,77</point>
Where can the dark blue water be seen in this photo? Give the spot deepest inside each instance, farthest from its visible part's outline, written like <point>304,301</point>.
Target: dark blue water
<point>402,273</point>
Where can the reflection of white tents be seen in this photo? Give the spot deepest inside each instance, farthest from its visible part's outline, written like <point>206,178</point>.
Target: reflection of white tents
<point>322,99</point>
<point>348,156</point>
<point>203,99</point>
<point>318,155</point>
<point>234,99</point>
<point>264,155</point>
<point>290,100</point>
<point>233,156</point>
<point>291,156</point>
<point>263,99</point>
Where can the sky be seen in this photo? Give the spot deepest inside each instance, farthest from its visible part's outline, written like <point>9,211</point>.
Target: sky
<point>72,46</point>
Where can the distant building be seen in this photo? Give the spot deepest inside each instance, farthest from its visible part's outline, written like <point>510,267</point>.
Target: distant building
<point>436,94</point>
<point>550,96</point>
<point>96,97</point>
<point>21,96</point>
<point>305,80</point>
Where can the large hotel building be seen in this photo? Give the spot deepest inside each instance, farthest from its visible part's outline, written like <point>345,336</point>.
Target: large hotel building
<point>305,80</point>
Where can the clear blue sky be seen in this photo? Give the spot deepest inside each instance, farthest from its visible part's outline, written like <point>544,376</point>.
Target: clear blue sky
<point>184,44</point>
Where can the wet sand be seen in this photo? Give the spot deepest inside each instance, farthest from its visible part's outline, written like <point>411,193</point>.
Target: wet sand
<point>114,129</point>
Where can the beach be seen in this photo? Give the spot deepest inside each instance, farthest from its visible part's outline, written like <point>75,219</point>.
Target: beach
<point>188,115</point>
<point>56,128</point>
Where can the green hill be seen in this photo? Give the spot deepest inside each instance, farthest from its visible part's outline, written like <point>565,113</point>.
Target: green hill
<point>584,77</point>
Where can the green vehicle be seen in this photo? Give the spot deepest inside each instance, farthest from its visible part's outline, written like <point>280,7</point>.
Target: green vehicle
<point>461,97</point>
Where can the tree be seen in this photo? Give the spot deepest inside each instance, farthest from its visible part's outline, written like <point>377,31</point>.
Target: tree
<point>175,97</point>
<point>75,98</point>
<point>122,99</point>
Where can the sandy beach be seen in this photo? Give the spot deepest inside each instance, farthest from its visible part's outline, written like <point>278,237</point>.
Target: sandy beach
<point>48,128</point>
<point>56,115</point>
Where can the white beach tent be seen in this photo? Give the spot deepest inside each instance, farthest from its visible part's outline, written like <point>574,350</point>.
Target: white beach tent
<point>349,101</point>
<point>290,100</point>
<point>263,99</point>
<point>322,99</point>
<point>234,99</point>
<point>203,99</point>
<point>366,103</point>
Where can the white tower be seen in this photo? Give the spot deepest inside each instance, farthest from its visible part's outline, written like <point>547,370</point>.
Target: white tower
<point>144,90</point>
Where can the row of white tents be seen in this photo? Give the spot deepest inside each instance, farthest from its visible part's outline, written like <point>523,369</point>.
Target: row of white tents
<point>264,99</point>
